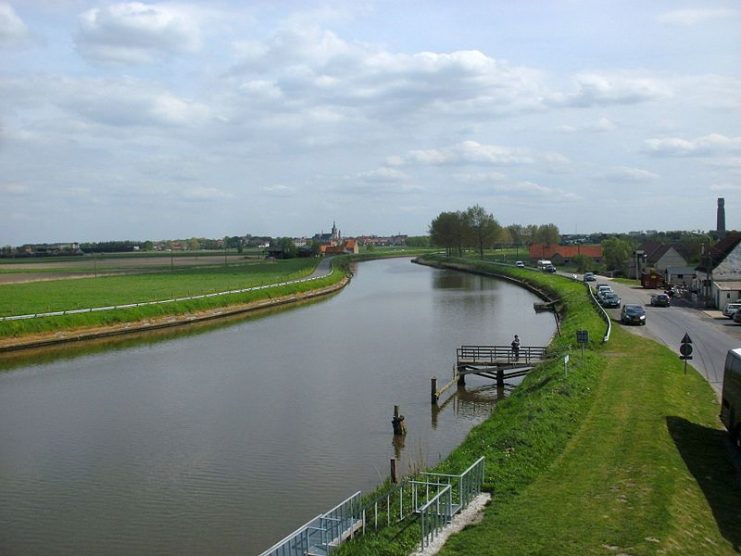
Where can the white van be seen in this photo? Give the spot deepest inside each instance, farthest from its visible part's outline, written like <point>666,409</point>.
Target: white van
<point>730,405</point>
<point>543,264</point>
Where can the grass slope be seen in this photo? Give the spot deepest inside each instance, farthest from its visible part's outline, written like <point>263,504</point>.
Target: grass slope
<point>623,456</point>
<point>646,473</point>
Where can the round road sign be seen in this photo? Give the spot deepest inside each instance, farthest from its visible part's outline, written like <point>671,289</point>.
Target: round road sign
<point>685,349</point>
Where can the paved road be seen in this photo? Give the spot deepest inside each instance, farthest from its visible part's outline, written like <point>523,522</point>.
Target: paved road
<point>712,334</point>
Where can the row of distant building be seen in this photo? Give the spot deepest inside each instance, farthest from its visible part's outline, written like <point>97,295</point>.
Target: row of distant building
<point>716,279</point>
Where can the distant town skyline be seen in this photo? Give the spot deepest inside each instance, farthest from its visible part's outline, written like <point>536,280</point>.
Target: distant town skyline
<point>156,120</point>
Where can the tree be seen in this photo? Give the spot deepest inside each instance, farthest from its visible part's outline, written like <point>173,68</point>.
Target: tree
<point>448,230</point>
<point>548,234</point>
<point>582,263</point>
<point>617,253</point>
<point>287,246</point>
<point>482,229</point>
<point>516,233</point>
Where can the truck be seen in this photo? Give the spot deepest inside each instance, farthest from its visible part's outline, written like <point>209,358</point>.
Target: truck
<point>730,405</point>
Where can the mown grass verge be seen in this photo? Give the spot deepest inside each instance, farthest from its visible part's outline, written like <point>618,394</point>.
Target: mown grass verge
<point>128,315</point>
<point>624,455</point>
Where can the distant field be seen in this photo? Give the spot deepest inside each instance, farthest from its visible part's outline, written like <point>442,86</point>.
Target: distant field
<point>156,283</point>
<point>44,268</point>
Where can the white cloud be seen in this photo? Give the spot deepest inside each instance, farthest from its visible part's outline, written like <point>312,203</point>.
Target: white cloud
<point>205,194</point>
<point>279,190</point>
<point>691,16</point>
<point>137,33</point>
<point>599,126</point>
<point>383,174</point>
<point>13,31</point>
<point>708,145</point>
<point>527,190</point>
<point>595,89</point>
<point>479,177</point>
<point>631,175</point>
<point>467,152</point>
<point>720,187</point>
<point>474,153</point>
<point>14,189</point>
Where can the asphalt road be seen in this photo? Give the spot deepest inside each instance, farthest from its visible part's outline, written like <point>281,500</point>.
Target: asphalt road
<point>711,333</point>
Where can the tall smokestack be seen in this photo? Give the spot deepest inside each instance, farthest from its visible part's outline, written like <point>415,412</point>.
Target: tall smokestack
<point>721,227</point>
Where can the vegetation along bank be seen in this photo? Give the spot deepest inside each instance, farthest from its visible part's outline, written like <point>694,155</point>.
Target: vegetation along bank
<point>624,455</point>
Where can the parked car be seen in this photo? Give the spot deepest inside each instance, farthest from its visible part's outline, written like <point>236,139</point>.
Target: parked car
<point>660,300</point>
<point>610,300</point>
<point>731,309</point>
<point>550,268</point>
<point>589,277</point>
<point>520,264</point>
<point>633,314</point>
<point>737,317</point>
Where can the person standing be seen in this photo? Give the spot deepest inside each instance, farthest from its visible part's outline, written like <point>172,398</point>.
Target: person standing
<point>516,347</point>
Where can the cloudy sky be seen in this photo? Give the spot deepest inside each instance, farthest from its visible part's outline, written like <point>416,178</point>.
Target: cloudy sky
<point>156,120</point>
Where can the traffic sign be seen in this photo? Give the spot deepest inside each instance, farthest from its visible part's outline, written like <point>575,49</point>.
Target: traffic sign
<point>686,339</point>
<point>686,350</point>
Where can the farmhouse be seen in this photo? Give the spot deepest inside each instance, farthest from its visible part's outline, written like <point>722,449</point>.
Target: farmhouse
<point>719,275</point>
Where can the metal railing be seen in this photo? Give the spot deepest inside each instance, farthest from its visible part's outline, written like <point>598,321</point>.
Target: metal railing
<point>446,495</point>
<point>323,533</point>
<point>498,354</point>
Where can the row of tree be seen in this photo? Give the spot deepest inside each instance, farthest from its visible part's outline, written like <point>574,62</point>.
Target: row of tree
<point>475,228</point>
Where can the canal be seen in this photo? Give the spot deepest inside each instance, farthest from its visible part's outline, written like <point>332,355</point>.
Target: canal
<point>224,439</point>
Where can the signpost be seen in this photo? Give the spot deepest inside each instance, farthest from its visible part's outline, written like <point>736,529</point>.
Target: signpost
<point>685,348</point>
<point>582,338</point>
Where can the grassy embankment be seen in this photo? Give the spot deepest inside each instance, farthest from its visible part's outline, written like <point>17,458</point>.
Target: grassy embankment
<point>156,285</point>
<point>623,456</point>
<point>61,295</point>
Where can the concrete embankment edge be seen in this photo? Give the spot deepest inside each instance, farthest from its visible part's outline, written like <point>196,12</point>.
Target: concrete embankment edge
<point>170,321</point>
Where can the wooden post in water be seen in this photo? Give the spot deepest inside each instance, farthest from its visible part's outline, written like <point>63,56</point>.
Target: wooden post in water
<point>393,471</point>
<point>398,422</point>
<point>500,378</point>
<point>433,389</point>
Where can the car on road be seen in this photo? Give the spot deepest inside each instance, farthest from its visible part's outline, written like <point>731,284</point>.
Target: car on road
<point>660,300</point>
<point>520,264</point>
<point>589,277</point>
<point>737,317</point>
<point>633,314</point>
<point>731,309</point>
<point>610,300</point>
<point>550,268</point>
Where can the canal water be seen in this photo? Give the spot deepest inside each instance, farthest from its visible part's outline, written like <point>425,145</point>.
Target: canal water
<point>225,439</point>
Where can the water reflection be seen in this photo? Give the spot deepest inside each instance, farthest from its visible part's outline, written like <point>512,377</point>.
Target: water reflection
<point>226,437</point>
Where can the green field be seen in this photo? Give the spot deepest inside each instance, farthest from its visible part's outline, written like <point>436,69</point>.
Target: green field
<point>623,456</point>
<point>60,295</point>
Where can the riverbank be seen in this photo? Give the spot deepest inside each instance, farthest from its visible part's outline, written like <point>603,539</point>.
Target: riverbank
<point>621,454</point>
<point>33,341</point>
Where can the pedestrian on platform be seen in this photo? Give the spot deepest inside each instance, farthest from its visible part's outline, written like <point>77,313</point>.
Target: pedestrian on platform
<point>516,347</point>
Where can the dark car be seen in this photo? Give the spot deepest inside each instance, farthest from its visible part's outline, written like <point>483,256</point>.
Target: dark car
<point>660,300</point>
<point>589,277</point>
<point>737,317</point>
<point>633,314</point>
<point>610,300</point>
<point>550,268</point>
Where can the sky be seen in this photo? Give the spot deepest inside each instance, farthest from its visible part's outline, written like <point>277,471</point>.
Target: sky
<point>164,120</point>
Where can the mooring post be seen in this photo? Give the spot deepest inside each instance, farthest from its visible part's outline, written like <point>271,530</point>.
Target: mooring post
<point>500,378</point>
<point>459,375</point>
<point>398,422</point>
<point>393,471</point>
<point>433,389</point>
